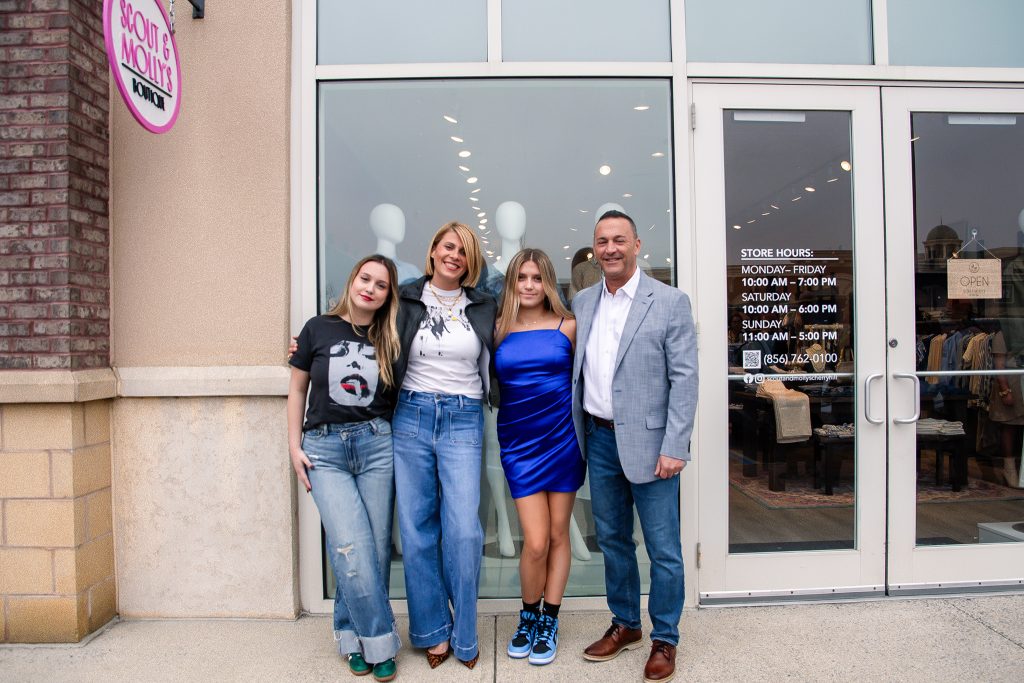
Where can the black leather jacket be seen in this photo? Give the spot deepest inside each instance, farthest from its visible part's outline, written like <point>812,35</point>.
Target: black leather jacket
<point>480,311</point>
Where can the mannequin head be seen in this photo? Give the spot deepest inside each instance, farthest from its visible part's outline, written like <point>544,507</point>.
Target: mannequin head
<point>387,222</point>
<point>605,208</point>
<point>510,221</point>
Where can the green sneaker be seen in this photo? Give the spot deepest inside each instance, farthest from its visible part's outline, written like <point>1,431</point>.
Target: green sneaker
<point>385,671</point>
<point>357,665</point>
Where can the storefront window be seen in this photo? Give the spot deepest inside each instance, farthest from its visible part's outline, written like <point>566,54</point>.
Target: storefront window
<point>969,225</point>
<point>792,447</point>
<point>955,32</point>
<point>523,162</point>
<point>585,31</point>
<point>400,32</point>
<point>795,32</point>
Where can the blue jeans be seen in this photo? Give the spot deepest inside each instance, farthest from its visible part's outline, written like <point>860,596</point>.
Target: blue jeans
<point>657,505</point>
<point>354,490</point>
<point>438,440</point>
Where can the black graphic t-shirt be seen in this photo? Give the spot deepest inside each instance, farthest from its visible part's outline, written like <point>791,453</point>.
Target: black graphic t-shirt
<point>344,379</point>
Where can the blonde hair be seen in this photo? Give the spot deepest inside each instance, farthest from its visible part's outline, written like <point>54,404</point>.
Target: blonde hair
<point>474,259</point>
<point>509,309</point>
<point>383,330</point>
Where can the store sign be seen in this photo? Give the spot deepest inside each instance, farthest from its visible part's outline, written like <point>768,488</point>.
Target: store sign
<point>974,278</point>
<point>144,60</point>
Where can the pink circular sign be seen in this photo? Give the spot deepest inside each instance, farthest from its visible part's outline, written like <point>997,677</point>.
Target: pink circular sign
<point>144,60</point>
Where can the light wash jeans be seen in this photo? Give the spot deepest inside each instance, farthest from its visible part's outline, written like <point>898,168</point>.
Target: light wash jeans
<point>657,504</point>
<point>438,440</point>
<point>354,489</point>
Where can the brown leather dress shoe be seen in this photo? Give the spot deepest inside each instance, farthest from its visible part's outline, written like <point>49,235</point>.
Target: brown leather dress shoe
<point>661,665</point>
<point>616,639</point>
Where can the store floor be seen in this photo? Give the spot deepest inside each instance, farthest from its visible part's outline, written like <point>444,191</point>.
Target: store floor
<point>954,639</point>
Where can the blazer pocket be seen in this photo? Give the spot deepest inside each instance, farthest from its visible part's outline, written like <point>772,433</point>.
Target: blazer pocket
<point>656,421</point>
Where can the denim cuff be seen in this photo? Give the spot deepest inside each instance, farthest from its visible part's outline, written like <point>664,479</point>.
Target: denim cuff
<point>464,653</point>
<point>377,649</point>
<point>348,641</point>
<point>435,637</point>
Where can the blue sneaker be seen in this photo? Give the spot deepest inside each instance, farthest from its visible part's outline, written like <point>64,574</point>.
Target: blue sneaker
<point>545,642</point>
<point>522,640</point>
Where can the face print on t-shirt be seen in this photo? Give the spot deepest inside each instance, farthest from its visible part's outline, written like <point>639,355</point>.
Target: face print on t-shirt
<point>353,373</point>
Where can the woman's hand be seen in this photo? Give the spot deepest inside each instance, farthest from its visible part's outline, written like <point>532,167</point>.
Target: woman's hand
<point>300,463</point>
<point>292,348</point>
<point>1007,397</point>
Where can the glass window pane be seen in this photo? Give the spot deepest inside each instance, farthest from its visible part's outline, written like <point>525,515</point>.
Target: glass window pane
<point>793,32</point>
<point>967,202</point>
<point>397,32</point>
<point>400,158</point>
<point>956,32</point>
<point>585,30</point>
<point>789,240</point>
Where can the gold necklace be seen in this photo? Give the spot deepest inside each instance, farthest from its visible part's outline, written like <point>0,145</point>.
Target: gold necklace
<point>443,300</point>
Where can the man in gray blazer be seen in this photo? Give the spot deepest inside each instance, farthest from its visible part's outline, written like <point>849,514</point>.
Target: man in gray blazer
<point>634,396</point>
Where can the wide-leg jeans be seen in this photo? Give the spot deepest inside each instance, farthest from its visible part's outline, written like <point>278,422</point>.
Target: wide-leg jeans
<point>438,439</point>
<point>657,504</point>
<point>354,490</point>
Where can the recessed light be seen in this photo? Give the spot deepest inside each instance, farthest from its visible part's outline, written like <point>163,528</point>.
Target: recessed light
<point>845,165</point>
<point>465,153</point>
<point>449,119</point>
<point>737,227</point>
<point>767,213</point>
<point>605,169</point>
<point>809,189</point>
<point>457,139</point>
<point>752,220</point>
<point>831,180</point>
<point>471,179</point>
<point>774,207</point>
<point>642,107</point>
<point>658,155</point>
<point>627,195</point>
<point>464,168</point>
<point>796,199</point>
<point>483,221</point>
<point>481,214</point>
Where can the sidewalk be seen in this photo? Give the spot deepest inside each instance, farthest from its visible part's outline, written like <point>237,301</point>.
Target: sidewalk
<point>952,639</point>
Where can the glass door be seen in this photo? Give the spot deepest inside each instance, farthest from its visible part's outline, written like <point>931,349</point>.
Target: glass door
<point>790,287</point>
<point>955,302</point>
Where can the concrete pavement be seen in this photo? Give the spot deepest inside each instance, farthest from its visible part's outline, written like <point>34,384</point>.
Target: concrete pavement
<point>948,639</point>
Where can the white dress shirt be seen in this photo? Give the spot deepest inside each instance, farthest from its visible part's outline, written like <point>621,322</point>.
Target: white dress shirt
<point>603,346</point>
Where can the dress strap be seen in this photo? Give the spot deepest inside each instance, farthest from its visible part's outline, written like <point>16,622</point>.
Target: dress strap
<point>560,324</point>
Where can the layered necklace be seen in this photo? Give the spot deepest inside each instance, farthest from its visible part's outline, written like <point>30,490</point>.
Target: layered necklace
<point>447,301</point>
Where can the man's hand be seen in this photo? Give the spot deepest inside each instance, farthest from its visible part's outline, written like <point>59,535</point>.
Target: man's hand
<point>668,467</point>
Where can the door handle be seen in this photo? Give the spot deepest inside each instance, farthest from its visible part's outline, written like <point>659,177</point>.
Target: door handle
<point>917,399</point>
<point>867,399</point>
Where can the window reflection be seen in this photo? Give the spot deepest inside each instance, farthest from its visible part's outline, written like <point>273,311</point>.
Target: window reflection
<point>521,162</point>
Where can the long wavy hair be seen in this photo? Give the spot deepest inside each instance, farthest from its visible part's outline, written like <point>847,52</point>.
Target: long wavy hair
<point>509,309</point>
<point>474,258</point>
<point>383,329</point>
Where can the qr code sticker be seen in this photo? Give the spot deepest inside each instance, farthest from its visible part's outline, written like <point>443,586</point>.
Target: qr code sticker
<point>752,360</point>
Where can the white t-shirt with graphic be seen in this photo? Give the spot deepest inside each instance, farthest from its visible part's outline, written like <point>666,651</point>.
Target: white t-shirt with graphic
<point>445,351</point>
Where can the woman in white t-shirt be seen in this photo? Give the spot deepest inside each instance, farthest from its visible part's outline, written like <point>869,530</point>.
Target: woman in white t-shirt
<point>446,327</point>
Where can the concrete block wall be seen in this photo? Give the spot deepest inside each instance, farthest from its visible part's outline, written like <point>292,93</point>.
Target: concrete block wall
<point>56,540</point>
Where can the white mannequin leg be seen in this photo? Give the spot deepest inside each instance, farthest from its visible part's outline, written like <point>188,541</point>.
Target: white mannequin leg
<point>496,482</point>
<point>576,542</point>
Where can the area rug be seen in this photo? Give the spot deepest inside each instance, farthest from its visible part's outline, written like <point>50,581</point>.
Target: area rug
<point>800,491</point>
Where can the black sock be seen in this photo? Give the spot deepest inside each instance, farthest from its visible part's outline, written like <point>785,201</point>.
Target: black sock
<point>551,609</point>
<point>532,607</point>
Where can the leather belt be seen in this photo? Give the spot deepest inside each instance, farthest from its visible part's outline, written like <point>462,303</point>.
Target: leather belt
<point>601,422</point>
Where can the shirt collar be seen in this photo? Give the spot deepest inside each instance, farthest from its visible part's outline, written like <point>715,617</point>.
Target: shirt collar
<point>629,289</point>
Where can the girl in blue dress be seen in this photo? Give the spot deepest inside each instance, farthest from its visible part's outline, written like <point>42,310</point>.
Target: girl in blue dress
<point>536,335</point>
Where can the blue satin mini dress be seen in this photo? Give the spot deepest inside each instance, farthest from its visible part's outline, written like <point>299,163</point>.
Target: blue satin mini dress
<point>539,451</point>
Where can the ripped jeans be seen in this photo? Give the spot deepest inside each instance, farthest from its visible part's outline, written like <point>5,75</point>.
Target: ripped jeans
<point>354,490</point>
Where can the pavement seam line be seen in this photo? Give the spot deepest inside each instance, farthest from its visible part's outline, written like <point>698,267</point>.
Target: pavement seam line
<point>987,625</point>
<point>494,668</point>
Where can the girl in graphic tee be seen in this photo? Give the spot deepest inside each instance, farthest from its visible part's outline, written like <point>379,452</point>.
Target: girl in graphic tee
<point>342,454</point>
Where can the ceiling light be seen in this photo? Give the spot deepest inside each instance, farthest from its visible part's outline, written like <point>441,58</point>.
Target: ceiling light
<point>627,195</point>
<point>915,138</point>
<point>605,169</point>
<point>483,220</point>
<point>796,199</point>
<point>480,227</point>
<point>831,180</point>
<point>465,153</point>
<point>565,247</point>
<point>449,119</point>
<point>642,107</point>
<point>767,213</point>
<point>752,220</point>
<point>774,207</point>
<point>474,199</point>
<point>481,214</point>
<point>845,165</point>
<point>658,155</point>
<point>574,229</point>
<point>568,258</point>
<point>668,260</point>
<point>471,179</point>
<point>650,228</point>
<point>457,139</point>
<point>647,256</point>
<point>475,191</point>
<point>464,168</point>
<point>809,189</point>
<point>582,210</point>
<point>737,227</point>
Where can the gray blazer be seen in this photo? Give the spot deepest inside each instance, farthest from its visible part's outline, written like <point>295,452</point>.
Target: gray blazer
<point>654,386</point>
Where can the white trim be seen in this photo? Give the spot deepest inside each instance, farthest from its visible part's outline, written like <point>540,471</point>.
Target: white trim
<point>1010,77</point>
<point>494,31</point>
<point>880,31</point>
<point>236,380</point>
<point>328,72</point>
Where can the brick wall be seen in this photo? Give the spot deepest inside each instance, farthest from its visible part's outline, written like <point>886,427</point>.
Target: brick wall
<point>54,113</point>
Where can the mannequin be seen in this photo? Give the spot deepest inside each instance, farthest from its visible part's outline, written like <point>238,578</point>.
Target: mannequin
<point>387,222</point>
